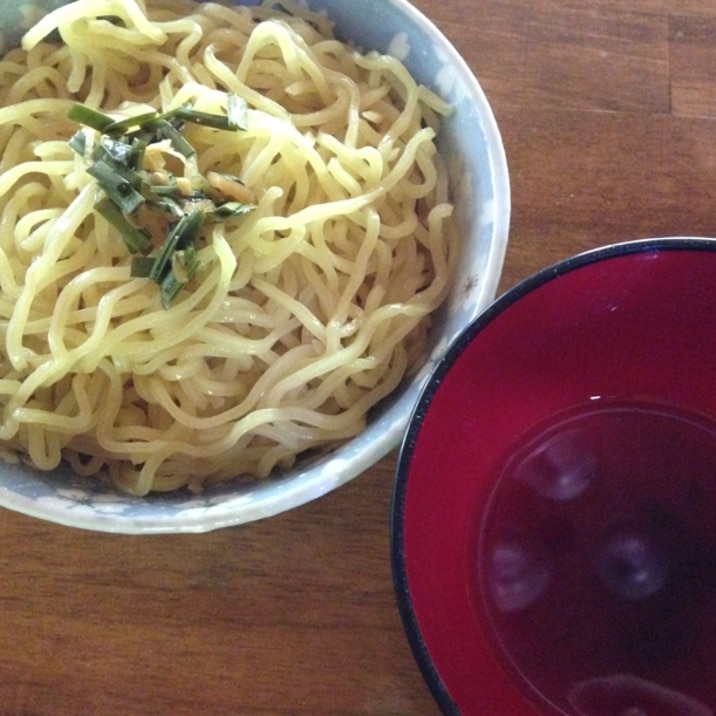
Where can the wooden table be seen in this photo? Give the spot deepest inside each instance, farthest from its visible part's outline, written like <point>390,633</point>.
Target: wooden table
<point>607,112</point>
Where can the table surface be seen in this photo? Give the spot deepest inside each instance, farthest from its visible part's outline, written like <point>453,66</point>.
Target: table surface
<point>607,111</point>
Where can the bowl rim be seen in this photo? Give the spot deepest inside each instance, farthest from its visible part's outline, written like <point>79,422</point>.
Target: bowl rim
<point>401,582</point>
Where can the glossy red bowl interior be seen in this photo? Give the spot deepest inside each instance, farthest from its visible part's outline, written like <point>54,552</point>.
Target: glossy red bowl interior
<point>634,320</point>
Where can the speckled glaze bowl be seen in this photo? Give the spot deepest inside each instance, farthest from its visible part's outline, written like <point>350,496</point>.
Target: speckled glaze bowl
<point>471,141</point>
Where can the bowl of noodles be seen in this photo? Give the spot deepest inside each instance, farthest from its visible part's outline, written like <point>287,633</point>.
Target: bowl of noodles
<point>234,238</point>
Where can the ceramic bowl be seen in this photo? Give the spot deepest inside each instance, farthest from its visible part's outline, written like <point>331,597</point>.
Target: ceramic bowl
<point>471,141</point>
<point>622,334</point>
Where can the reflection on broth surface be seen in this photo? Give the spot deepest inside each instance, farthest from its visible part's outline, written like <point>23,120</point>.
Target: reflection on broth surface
<point>597,561</point>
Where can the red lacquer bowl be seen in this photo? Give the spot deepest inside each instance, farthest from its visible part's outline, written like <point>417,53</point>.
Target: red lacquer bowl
<point>635,320</point>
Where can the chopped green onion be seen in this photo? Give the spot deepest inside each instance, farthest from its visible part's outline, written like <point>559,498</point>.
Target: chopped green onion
<point>118,152</point>
<point>78,142</point>
<point>231,209</point>
<point>188,228</point>
<point>169,289</point>
<point>123,126</point>
<point>141,266</point>
<point>169,190</point>
<point>183,203</point>
<point>117,186</point>
<point>236,117</point>
<point>182,235</point>
<point>135,239</point>
<point>140,148</point>
<point>82,114</point>
<point>167,131</point>
<point>168,206</point>
<point>185,264</point>
<point>205,119</point>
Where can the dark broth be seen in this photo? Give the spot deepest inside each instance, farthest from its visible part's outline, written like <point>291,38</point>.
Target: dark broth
<point>597,562</point>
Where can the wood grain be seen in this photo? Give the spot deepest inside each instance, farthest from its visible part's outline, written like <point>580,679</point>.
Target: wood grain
<point>607,113</point>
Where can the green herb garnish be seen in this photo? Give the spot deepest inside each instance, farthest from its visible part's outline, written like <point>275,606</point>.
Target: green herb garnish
<point>164,129</point>
<point>119,184</point>
<point>229,210</point>
<point>159,215</point>
<point>136,240</point>
<point>183,235</point>
<point>82,114</point>
<point>141,266</point>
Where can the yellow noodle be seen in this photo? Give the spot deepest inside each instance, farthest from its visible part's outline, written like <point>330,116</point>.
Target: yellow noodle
<point>306,312</point>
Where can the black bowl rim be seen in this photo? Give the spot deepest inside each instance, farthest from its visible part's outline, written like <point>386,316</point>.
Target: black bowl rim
<point>397,544</point>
